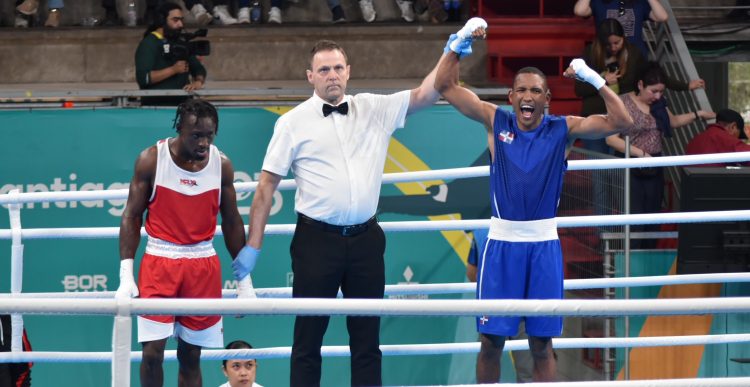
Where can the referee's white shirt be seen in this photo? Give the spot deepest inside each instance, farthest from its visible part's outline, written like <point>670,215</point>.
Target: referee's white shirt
<point>337,160</point>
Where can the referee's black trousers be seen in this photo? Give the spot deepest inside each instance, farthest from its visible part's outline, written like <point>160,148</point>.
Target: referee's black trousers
<point>322,261</point>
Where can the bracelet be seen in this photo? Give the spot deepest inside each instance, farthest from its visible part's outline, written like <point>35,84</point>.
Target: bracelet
<point>697,117</point>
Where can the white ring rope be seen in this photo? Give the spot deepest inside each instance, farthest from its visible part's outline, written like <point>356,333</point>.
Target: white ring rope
<point>708,382</point>
<point>389,178</point>
<point>371,307</point>
<point>456,288</point>
<point>426,225</point>
<point>388,350</point>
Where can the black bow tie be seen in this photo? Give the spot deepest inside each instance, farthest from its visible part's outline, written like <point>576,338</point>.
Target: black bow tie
<point>342,109</point>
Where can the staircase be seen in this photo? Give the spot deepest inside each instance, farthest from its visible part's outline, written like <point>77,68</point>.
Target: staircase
<point>539,33</point>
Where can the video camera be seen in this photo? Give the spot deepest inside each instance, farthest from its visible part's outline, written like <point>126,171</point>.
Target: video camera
<point>182,47</point>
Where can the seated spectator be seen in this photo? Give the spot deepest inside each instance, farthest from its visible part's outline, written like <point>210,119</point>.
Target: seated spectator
<point>29,8</point>
<point>239,372</point>
<point>243,11</point>
<point>369,14</point>
<point>632,14</point>
<point>203,17</point>
<point>337,12</point>
<point>453,9</point>
<point>722,137</point>
<point>111,18</point>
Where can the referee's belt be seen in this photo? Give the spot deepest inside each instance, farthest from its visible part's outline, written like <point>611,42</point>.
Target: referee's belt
<point>351,230</point>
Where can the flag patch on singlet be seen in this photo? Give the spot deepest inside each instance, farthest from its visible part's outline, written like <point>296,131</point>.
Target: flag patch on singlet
<point>505,136</point>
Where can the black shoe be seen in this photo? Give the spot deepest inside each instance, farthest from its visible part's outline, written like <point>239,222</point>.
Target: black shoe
<point>338,15</point>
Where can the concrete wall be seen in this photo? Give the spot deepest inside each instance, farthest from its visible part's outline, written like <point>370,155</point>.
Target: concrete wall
<point>238,53</point>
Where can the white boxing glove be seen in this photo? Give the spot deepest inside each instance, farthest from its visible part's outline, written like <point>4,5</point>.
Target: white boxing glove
<point>245,288</point>
<point>128,288</point>
<point>471,25</point>
<point>586,74</point>
<point>466,32</point>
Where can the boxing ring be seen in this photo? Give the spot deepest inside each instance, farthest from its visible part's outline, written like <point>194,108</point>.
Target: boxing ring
<point>276,301</point>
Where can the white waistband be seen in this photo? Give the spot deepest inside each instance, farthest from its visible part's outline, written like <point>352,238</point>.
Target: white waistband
<point>523,231</point>
<point>162,248</point>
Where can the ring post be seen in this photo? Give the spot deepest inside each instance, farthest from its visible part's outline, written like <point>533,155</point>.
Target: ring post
<point>16,269</point>
<point>121,340</point>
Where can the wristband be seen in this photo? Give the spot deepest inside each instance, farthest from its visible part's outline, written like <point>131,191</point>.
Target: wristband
<point>126,267</point>
<point>697,117</point>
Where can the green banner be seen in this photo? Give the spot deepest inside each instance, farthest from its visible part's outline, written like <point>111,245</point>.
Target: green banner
<point>77,150</point>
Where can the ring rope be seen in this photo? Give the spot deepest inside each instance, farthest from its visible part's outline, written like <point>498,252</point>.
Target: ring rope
<point>388,350</point>
<point>427,225</point>
<point>373,307</point>
<point>389,178</point>
<point>708,382</point>
<point>456,288</point>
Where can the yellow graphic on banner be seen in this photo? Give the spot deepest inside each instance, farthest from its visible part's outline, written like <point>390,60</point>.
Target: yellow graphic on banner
<point>401,159</point>
<point>280,110</point>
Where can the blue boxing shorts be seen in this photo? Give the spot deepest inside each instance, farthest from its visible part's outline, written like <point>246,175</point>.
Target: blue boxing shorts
<point>516,264</point>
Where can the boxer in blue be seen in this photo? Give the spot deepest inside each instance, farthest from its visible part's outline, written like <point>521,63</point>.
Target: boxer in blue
<point>522,258</point>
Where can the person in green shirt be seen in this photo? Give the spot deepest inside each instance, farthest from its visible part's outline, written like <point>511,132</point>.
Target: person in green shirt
<point>155,69</point>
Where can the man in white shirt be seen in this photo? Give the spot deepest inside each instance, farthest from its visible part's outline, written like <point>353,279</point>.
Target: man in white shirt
<point>335,144</point>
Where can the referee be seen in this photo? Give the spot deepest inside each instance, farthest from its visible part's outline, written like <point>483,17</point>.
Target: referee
<point>335,145</point>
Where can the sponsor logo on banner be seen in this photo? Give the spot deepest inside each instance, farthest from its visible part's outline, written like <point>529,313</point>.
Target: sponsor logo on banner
<point>115,207</point>
<point>84,283</point>
<point>408,275</point>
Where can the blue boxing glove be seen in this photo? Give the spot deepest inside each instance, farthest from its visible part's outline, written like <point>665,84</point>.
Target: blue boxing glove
<point>447,48</point>
<point>460,42</point>
<point>245,261</point>
<point>462,46</point>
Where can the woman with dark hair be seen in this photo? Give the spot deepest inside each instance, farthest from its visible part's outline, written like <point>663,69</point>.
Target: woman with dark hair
<point>632,14</point>
<point>619,63</point>
<point>240,372</point>
<point>647,107</point>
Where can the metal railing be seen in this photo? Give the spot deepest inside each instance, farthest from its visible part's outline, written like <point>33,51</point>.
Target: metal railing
<point>667,46</point>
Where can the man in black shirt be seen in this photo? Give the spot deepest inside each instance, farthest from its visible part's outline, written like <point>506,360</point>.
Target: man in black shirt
<point>156,69</point>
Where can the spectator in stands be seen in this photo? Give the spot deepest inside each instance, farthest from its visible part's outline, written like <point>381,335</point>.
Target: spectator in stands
<point>453,9</point>
<point>28,8</point>
<point>722,137</point>
<point>619,63</point>
<point>157,69</point>
<point>369,14</point>
<point>243,11</point>
<point>651,119</point>
<point>337,12</point>
<point>110,13</point>
<point>111,18</point>
<point>202,17</point>
<point>434,8</point>
<point>632,14</point>
<point>240,372</point>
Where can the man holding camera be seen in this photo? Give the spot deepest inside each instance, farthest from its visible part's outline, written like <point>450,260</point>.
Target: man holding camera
<point>157,66</point>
